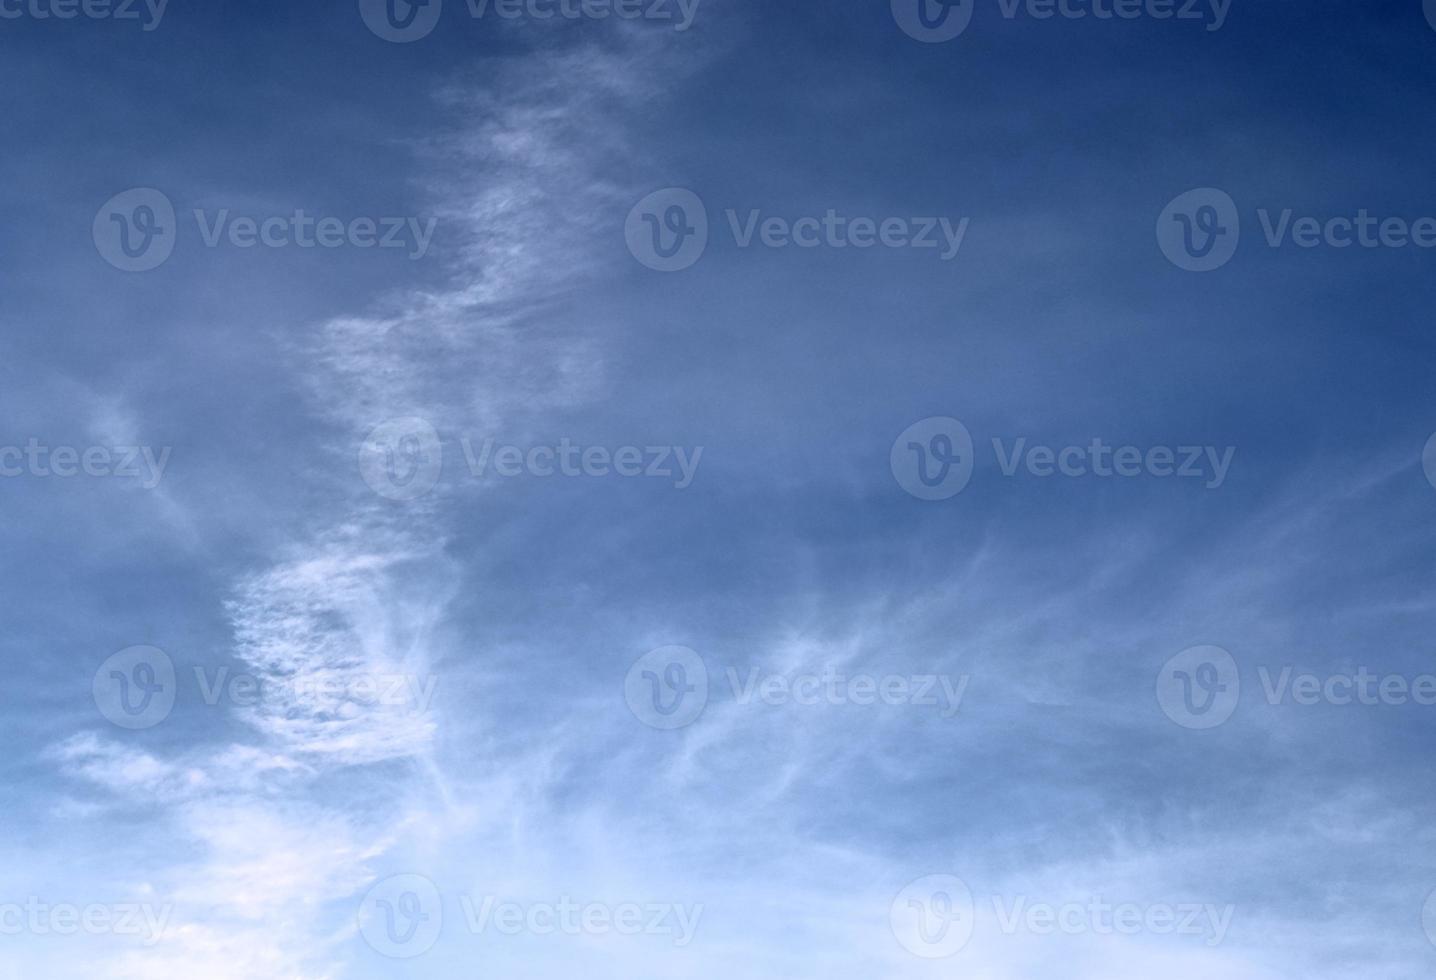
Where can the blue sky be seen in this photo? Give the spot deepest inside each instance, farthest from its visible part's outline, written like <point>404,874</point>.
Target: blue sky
<point>410,690</point>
